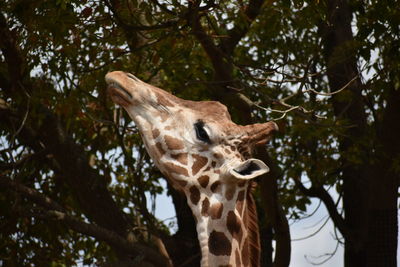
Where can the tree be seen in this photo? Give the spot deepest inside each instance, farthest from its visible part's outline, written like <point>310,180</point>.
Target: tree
<point>74,172</point>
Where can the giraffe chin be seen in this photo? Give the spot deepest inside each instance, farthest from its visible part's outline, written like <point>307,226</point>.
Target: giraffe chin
<point>249,169</point>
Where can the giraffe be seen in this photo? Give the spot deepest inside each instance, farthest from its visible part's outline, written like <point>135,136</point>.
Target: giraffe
<point>206,156</point>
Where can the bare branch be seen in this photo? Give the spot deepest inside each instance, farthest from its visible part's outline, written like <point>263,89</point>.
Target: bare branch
<point>330,205</point>
<point>326,220</point>
<point>328,255</point>
<point>332,93</point>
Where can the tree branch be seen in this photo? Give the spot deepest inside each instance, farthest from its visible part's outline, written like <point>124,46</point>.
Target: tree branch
<point>11,52</point>
<point>53,210</point>
<point>213,52</point>
<point>31,194</point>
<point>323,195</point>
<point>251,11</point>
<point>69,158</point>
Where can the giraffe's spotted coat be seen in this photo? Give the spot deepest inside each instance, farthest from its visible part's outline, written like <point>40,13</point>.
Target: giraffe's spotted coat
<point>220,201</point>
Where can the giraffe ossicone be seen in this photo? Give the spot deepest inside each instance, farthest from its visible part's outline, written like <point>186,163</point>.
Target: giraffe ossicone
<point>206,156</point>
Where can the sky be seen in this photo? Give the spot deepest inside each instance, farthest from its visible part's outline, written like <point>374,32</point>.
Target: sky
<point>305,253</point>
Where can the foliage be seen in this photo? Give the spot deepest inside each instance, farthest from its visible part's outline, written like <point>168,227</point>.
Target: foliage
<point>67,46</point>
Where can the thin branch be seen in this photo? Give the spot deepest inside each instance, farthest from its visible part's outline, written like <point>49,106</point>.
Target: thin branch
<point>332,93</point>
<point>328,255</point>
<point>330,205</point>
<point>31,194</point>
<point>314,233</point>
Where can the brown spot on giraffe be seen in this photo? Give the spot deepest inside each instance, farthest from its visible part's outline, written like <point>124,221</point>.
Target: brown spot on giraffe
<point>233,223</point>
<point>181,158</point>
<point>215,186</point>
<point>155,132</point>
<point>164,116</point>
<point>216,210</point>
<point>230,192</point>
<point>194,195</point>
<point>172,168</point>
<point>162,100</point>
<point>173,143</point>
<point>217,155</point>
<point>203,180</point>
<point>205,207</point>
<point>160,149</point>
<point>199,162</point>
<point>239,202</point>
<point>219,244</point>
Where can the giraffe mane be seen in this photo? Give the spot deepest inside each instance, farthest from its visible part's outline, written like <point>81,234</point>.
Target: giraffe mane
<point>252,227</point>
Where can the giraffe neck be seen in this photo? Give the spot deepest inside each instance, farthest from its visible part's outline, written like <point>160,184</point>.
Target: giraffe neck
<point>223,227</point>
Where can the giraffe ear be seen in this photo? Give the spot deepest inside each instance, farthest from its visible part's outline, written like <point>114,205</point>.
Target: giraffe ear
<point>249,169</point>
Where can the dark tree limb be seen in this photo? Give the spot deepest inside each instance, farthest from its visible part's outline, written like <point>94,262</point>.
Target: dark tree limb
<point>251,11</point>
<point>12,53</point>
<point>69,159</point>
<point>274,213</point>
<point>55,211</point>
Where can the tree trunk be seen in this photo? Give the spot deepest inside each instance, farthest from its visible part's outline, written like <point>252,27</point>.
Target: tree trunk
<point>369,185</point>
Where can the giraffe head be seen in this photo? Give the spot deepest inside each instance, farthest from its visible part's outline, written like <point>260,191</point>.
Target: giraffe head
<point>201,151</point>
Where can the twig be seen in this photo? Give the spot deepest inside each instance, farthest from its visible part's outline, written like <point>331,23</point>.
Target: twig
<point>332,93</point>
<point>329,255</point>
<point>314,233</point>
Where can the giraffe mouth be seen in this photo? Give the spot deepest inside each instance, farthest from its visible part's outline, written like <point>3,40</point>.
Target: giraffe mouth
<point>119,94</point>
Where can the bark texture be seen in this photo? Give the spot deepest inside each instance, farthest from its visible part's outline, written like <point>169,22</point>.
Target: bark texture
<point>369,183</point>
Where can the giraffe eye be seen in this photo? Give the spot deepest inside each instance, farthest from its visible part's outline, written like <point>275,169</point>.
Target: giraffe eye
<point>201,133</point>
